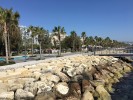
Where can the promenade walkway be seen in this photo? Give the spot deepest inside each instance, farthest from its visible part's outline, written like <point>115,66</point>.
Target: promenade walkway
<point>21,64</point>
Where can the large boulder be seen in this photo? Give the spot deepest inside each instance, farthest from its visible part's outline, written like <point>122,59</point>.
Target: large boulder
<point>49,77</point>
<point>61,89</point>
<point>23,95</point>
<point>4,87</point>
<point>86,85</point>
<point>7,96</point>
<point>87,95</point>
<point>104,95</point>
<point>75,89</point>
<point>30,87</point>
<point>62,76</point>
<point>36,75</point>
<point>14,87</point>
<point>46,96</point>
<point>71,72</point>
<point>127,69</point>
<point>43,86</point>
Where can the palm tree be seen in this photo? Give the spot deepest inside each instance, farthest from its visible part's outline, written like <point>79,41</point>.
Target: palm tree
<point>107,42</point>
<point>4,18</point>
<point>73,36</point>
<point>13,27</point>
<point>58,31</point>
<point>9,25</point>
<point>41,35</point>
<point>83,35</point>
<point>90,41</point>
<point>33,31</point>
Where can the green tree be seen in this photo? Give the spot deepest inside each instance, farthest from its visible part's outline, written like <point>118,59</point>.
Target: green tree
<point>73,37</point>
<point>33,31</point>
<point>4,19</point>
<point>90,41</point>
<point>58,31</point>
<point>83,35</point>
<point>67,43</point>
<point>13,29</point>
<point>107,42</point>
<point>42,34</point>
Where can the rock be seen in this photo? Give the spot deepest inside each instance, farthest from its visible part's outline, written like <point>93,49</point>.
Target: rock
<point>43,87</point>
<point>96,83</point>
<point>118,74</point>
<point>30,87</point>
<point>45,96</point>
<point>87,76</point>
<point>27,74</point>
<point>77,78</point>
<point>76,64</point>
<point>50,77</point>
<point>71,97</point>
<point>4,87</point>
<point>63,77</point>
<point>14,87</point>
<point>114,60</point>
<point>61,89</point>
<point>87,95</point>
<point>80,69</point>
<point>36,75</point>
<point>7,96</point>
<point>49,68</point>
<point>116,80</point>
<point>71,72</point>
<point>23,95</point>
<point>86,85</point>
<point>103,61</point>
<point>127,69</point>
<point>75,89</point>
<point>1,81</point>
<point>109,88</point>
<point>104,95</point>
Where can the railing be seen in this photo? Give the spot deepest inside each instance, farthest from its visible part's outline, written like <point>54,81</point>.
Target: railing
<point>113,51</point>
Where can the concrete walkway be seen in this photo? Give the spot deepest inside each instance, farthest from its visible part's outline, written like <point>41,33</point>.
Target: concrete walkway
<point>21,64</point>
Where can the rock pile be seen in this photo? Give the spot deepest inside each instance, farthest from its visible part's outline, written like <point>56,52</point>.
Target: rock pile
<point>71,78</point>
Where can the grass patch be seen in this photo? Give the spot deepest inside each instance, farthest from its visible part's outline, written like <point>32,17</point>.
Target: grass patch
<point>3,63</point>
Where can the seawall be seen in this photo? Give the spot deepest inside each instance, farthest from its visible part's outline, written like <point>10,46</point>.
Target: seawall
<point>66,78</point>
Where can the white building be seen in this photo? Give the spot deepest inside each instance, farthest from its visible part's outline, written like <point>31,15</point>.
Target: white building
<point>55,38</point>
<point>27,35</point>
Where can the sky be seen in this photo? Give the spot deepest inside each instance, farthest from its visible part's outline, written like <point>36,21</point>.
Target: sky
<point>112,18</point>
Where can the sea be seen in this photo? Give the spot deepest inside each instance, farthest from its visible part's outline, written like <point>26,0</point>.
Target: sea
<point>124,89</point>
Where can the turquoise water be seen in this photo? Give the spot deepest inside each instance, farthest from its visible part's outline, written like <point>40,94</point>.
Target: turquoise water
<point>2,59</point>
<point>20,58</point>
<point>16,58</point>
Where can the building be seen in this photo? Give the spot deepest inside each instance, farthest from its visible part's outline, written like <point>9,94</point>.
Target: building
<point>54,39</point>
<point>27,35</point>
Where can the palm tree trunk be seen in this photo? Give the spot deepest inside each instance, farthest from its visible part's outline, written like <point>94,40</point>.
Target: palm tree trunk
<point>32,47</point>
<point>9,50</point>
<point>5,40</point>
<point>73,45</point>
<point>60,48</point>
<point>40,51</point>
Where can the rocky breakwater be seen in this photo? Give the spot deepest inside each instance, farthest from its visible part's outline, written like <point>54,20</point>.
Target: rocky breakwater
<point>66,78</point>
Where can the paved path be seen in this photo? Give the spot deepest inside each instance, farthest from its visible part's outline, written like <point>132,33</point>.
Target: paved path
<point>21,64</point>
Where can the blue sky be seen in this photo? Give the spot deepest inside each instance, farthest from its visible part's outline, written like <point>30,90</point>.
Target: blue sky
<point>113,18</point>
